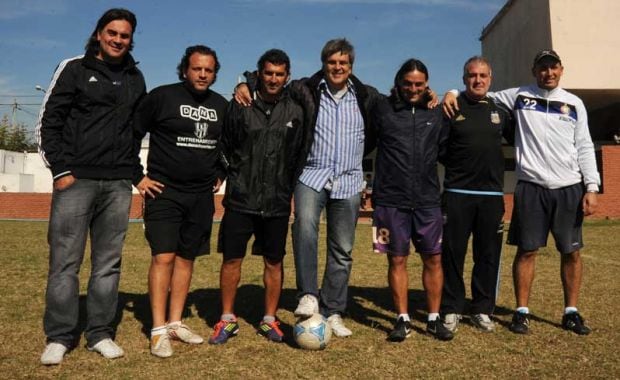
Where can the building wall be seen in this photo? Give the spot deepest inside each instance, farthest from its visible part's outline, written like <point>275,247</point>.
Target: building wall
<point>513,38</point>
<point>37,205</point>
<point>586,35</point>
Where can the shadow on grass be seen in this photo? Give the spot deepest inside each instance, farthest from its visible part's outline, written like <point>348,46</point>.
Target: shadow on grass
<point>368,306</point>
<point>382,307</point>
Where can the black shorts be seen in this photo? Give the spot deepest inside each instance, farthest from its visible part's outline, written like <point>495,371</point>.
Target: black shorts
<point>237,228</point>
<point>538,211</point>
<point>179,222</point>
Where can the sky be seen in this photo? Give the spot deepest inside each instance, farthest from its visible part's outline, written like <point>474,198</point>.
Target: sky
<point>35,35</point>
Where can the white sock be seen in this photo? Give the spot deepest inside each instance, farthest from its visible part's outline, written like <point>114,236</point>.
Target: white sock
<point>570,309</point>
<point>161,330</point>
<point>269,319</point>
<point>523,309</point>
<point>174,324</point>
<point>228,317</point>
<point>405,317</point>
<point>432,316</point>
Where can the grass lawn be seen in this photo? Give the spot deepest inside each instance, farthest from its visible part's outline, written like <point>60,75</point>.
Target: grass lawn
<point>548,352</point>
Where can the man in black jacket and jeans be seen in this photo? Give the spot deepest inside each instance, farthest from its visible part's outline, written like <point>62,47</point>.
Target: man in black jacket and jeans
<point>85,138</point>
<point>261,145</point>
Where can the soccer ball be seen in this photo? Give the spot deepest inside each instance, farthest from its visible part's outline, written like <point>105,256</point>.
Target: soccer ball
<point>313,333</point>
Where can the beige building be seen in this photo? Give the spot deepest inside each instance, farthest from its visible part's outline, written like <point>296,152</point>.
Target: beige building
<point>585,35</point>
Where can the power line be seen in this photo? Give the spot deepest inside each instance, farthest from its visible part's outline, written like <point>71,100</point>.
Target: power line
<point>20,96</point>
<point>20,104</point>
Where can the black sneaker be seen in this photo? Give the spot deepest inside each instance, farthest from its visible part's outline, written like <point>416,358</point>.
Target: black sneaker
<point>402,331</point>
<point>520,323</point>
<point>438,330</point>
<point>575,323</point>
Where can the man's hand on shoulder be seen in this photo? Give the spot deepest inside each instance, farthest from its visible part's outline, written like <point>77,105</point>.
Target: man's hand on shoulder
<point>242,95</point>
<point>433,100</point>
<point>450,104</point>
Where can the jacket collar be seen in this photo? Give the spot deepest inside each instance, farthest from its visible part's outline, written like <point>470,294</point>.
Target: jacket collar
<point>90,61</point>
<point>358,86</point>
<point>398,104</point>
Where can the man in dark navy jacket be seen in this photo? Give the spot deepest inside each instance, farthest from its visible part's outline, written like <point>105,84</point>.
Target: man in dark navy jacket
<point>406,194</point>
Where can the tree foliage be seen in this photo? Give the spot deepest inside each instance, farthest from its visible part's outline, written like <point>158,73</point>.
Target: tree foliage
<point>15,137</point>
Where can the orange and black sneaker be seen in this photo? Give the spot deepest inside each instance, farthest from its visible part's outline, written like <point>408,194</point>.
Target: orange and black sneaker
<point>224,330</point>
<point>271,331</point>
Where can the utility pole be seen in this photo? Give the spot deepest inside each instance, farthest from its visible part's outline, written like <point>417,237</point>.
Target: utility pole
<point>15,108</point>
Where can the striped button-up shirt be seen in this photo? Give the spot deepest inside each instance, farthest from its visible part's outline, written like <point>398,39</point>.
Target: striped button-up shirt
<point>335,159</point>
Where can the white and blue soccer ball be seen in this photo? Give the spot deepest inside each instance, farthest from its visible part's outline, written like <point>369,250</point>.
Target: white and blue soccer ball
<point>313,333</point>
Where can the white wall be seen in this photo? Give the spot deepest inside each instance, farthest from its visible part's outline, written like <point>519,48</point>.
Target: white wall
<point>26,172</point>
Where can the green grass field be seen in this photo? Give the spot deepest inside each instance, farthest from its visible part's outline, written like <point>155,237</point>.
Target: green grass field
<point>548,352</point>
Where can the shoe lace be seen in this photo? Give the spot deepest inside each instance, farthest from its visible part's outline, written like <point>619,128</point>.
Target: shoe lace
<point>484,318</point>
<point>218,327</point>
<point>336,320</point>
<point>275,325</point>
<point>522,318</point>
<point>577,319</point>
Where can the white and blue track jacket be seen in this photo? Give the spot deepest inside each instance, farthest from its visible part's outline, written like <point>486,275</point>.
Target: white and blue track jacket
<point>553,144</point>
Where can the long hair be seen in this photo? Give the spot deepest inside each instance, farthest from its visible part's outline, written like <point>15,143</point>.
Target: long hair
<point>92,45</point>
<point>411,64</point>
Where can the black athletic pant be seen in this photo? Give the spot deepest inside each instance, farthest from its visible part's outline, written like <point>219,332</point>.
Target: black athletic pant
<point>482,217</point>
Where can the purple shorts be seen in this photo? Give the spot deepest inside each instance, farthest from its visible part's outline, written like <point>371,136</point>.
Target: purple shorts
<point>394,228</point>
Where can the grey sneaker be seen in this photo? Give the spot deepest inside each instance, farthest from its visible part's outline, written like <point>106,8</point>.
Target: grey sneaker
<point>108,349</point>
<point>160,346</point>
<point>483,322</point>
<point>338,327</point>
<point>451,321</point>
<point>53,353</point>
<point>307,307</point>
<point>179,331</point>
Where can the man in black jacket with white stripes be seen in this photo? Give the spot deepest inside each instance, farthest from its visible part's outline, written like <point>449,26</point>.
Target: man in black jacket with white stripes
<point>85,138</point>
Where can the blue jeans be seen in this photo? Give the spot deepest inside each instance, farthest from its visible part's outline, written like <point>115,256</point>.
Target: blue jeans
<point>341,221</point>
<point>101,207</point>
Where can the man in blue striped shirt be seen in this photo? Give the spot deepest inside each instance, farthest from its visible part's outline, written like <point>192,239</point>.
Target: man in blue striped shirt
<point>331,179</point>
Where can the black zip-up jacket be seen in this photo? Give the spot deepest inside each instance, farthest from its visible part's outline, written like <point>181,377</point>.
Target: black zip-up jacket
<point>85,124</point>
<point>262,145</point>
<point>472,150</point>
<point>408,141</point>
<point>307,92</point>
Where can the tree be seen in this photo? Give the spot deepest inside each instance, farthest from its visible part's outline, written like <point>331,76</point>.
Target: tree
<point>15,137</point>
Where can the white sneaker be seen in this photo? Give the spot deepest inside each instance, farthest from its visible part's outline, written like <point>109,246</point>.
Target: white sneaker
<point>307,307</point>
<point>53,353</point>
<point>338,327</point>
<point>179,331</point>
<point>483,322</point>
<point>108,349</point>
<point>451,321</point>
<point>160,346</point>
